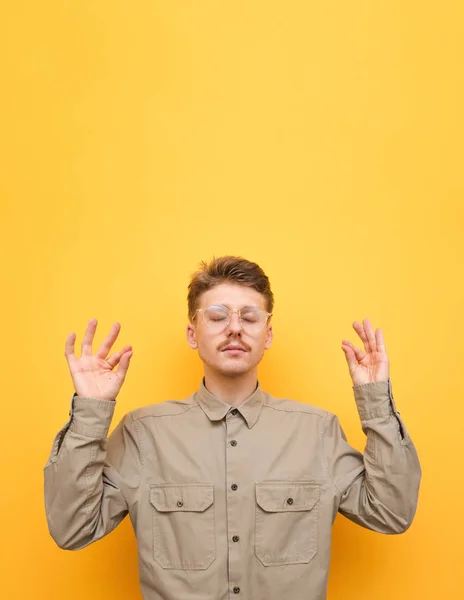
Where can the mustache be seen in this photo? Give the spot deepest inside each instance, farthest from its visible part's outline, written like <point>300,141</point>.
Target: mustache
<point>234,343</point>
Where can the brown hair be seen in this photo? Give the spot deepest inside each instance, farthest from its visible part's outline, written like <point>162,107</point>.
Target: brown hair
<point>228,269</point>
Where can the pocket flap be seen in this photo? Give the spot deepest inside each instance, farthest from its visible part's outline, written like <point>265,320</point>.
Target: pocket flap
<point>181,496</point>
<point>280,496</point>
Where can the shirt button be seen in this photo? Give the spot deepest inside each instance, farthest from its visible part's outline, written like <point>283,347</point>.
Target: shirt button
<point>289,500</point>
<point>234,486</point>
<point>236,590</point>
<point>233,443</point>
<point>234,412</point>
<point>235,538</point>
<point>180,503</point>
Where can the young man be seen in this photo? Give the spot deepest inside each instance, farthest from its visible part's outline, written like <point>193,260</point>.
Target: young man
<point>232,493</point>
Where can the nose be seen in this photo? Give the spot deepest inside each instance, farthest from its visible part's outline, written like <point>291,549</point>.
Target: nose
<point>234,325</point>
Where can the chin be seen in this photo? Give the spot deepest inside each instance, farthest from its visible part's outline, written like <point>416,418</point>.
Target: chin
<point>231,369</point>
<point>233,375</point>
<point>234,371</point>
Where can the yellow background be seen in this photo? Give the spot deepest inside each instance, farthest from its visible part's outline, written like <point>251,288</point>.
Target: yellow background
<point>323,140</point>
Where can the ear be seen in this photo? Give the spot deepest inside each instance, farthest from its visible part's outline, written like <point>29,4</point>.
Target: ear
<point>269,338</point>
<point>191,336</point>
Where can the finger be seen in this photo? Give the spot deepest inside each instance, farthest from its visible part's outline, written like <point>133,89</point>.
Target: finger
<point>358,353</point>
<point>370,335</point>
<point>69,349</point>
<point>362,334</point>
<point>88,337</point>
<point>116,357</point>
<point>124,365</point>
<point>105,347</point>
<point>350,357</point>
<point>380,341</point>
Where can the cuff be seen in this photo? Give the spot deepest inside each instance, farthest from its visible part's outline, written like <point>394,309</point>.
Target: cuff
<point>374,399</point>
<point>91,417</point>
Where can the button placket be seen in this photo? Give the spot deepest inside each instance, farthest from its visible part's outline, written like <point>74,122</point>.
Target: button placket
<point>234,470</point>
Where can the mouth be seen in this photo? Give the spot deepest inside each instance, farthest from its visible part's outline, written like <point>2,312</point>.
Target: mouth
<point>234,350</point>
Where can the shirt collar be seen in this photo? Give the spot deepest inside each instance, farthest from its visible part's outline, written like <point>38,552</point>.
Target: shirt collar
<point>216,409</point>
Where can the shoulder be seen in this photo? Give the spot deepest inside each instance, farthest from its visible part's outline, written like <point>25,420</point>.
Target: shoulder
<point>287,405</point>
<point>167,408</point>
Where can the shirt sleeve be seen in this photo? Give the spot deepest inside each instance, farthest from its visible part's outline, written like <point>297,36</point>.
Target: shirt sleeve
<point>378,489</point>
<point>90,481</point>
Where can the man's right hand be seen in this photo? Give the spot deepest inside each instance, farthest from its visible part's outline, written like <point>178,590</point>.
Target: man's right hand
<point>93,374</point>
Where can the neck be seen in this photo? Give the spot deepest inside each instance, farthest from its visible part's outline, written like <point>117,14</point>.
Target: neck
<point>231,390</point>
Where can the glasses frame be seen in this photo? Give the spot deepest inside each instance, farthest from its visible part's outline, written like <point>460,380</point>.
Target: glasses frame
<point>230,313</point>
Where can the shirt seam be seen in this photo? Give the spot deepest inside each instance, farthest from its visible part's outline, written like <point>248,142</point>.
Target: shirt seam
<point>302,412</point>
<point>142,457</point>
<point>323,456</point>
<point>93,449</point>
<point>135,418</point>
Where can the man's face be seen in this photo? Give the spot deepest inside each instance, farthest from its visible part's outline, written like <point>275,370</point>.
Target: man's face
<point>213,346</point>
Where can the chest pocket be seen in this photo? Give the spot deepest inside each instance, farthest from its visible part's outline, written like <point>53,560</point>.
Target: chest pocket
<point>287,522</point>
<point>183,525</point>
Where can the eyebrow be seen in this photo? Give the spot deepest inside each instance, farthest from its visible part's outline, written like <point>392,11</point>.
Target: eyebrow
<point>244,306</point>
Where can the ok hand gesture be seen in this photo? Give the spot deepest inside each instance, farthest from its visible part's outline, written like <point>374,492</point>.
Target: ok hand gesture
<point>93,374</point>
<point>372,364</point>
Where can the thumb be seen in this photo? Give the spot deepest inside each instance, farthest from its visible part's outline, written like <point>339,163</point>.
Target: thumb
<point>124,365</point>
<point>350,358</point>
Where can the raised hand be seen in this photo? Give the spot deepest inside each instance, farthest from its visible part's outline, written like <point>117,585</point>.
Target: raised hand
<point>93,374</point>
<point>372,364</point>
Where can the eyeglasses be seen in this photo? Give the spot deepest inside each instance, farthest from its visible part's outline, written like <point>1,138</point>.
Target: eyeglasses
<point>217,318</point>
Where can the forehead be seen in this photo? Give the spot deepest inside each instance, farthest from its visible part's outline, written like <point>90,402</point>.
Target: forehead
<point>232,295</point>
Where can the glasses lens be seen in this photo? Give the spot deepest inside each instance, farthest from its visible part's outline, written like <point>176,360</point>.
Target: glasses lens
<point>216,317</point>
<point>253,319</point>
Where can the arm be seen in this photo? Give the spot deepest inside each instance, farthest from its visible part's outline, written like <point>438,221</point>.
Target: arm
<point>90,482</point>
<point>377,490</point>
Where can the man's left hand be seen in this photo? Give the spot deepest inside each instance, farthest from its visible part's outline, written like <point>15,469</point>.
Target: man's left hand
<point>372,364</point>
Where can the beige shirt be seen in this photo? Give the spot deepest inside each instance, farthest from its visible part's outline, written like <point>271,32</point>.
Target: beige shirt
<point>230,502</point>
